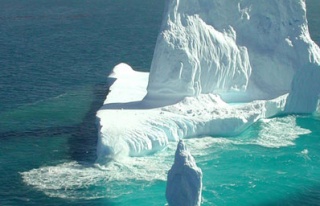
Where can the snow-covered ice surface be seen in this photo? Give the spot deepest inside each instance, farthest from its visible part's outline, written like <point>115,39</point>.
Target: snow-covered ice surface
<point>184,184</point>
<point>211,55</point>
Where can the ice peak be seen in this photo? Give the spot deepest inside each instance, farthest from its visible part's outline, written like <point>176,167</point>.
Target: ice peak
<point>183,156</point>
<point>184,179</point>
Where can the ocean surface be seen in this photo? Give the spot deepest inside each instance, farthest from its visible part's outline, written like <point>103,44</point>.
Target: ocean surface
<point>55,59</point>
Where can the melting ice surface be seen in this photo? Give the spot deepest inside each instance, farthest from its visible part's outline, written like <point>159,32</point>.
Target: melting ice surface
<point>213,74</point>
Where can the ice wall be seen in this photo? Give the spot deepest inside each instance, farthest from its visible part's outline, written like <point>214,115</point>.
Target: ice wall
<point>240,49</point>
<point>184,183</point>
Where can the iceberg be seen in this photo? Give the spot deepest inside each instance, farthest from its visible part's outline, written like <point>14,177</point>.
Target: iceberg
<point>218,67</point>
<point>184,183</point>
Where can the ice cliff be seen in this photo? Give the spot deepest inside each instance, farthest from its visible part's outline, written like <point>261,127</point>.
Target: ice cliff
<point>239,49</point>
<point>210,53</point>
<point>184,183</point>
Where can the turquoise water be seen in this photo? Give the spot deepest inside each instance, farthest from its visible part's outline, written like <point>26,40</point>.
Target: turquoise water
<point>55,57</point>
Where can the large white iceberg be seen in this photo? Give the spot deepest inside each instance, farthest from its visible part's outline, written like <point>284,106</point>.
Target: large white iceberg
<point>184,185</point>
<point>211,53</point>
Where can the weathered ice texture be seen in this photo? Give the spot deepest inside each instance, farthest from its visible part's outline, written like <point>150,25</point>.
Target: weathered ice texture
<point>184,182</point>
<point>240,49</point>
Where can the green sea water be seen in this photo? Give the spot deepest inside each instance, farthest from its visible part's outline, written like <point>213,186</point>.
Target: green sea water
<point>55,57</point>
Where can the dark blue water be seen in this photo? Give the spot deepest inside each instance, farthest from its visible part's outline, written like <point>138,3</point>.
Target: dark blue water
<point>48,47</point>
<point>55,57</point>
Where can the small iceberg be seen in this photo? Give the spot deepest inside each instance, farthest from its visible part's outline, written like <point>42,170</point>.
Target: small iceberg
<point>184,183</point>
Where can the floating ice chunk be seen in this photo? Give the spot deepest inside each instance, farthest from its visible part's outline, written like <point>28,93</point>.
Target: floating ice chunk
<point>184,184</point>
<point>305,152</point>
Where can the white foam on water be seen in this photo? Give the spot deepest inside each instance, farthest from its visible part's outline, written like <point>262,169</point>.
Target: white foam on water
<point>75,181</point>
<point>68,180</point>
<point>271,133</point>
<point>204,145</point>
<point>279,132</point>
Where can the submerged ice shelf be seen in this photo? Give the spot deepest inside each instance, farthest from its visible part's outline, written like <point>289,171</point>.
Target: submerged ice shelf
<point>259,53</point>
